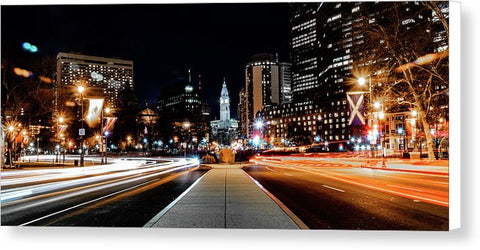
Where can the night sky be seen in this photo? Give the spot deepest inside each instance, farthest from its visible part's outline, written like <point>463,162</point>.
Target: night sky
<point>163,40</point>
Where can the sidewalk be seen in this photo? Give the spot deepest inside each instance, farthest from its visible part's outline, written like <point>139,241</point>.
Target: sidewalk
<point>225,197</point>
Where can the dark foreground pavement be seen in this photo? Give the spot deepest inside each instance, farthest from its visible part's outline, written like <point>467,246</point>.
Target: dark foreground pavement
<point>225,197</point>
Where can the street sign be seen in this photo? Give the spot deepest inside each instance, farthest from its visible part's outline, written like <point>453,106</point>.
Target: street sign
<point>81,131</point>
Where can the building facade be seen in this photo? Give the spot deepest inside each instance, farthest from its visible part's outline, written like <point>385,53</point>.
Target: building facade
<point>329,54</point>
<point>267,83</point>
<point>101,76</point>
<point>184,114</point>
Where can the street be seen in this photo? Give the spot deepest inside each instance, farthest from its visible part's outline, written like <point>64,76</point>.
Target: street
<point>332,193</point>
<point>125,193</point>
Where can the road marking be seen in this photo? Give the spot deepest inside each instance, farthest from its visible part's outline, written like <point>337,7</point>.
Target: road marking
<point>85,203</point>
<point>157,217</point>
<point>336,189</point>
<point>413,189</point>
<point>438,202</point>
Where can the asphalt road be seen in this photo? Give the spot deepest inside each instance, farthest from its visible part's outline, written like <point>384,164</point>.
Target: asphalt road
<point>329,194</point>
<point>123,194</point>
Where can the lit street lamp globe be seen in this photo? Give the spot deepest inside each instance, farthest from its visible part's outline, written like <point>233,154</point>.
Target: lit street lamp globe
<point>258,124</point>
<point>80,89</point>
<point>361,81</point>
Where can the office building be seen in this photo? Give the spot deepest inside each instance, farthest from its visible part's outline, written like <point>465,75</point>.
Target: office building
<point>267,83</point>
<point>103,77</point>
<point>183,112</point>
<point>328,54</point>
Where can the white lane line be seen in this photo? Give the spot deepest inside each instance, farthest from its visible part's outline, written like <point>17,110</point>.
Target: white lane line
<point>408,188</point>
<point>87,202</point>
<point>157,217</point>
<point>336,189</point>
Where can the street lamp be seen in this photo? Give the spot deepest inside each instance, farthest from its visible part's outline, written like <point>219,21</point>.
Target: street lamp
<point>186,125</point>
<point>60,120</point>
<point>362,81</point>
<point>80,90</point>
<point>414,113</point>
<point>103,148</point>
<point>259,124</point>
<point>11,129</point>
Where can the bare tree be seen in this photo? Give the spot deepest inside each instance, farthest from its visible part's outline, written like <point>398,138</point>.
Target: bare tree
<point>406,54</point>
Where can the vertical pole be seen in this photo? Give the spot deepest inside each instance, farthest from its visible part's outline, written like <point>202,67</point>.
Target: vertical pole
<point>56,138</point>
<point>371,111</point>
<point>101,138</point>
<point>14,150</point>
<point>81,137</point>
<point>106,146</point>
<point>38,149</point>
<point>404,135</point>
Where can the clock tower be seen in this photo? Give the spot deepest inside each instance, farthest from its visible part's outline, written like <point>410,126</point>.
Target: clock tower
<point>224,107</point>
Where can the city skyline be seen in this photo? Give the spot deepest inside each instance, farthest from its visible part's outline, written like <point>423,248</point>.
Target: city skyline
<point>350,129</point>
<point>208,38</point>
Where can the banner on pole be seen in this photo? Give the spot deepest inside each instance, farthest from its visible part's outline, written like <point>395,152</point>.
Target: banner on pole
<point>109,123</point>
<point>94,111</point>
<point>356,108</point>
<point>60,130</point>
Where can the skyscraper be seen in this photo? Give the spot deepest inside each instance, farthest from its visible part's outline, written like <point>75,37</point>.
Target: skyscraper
<point>285,78</point>
<point>329,45</point>
<point>242,113</point>
<point>267,83</point>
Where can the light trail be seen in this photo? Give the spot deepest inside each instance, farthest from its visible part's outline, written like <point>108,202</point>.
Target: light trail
<point>107,173</point>
<point>106,188</point>
<point>83,204</point>
<point>374,179</point>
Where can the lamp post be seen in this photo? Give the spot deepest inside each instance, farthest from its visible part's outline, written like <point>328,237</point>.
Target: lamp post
<point>186,125</point>
<point>102,147</point>
<point>11,130</point>
<point>60,120</point>
<point>259,126</point>
<point>38,148</point>
<point>80,90</point>
<point>362,81</point>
